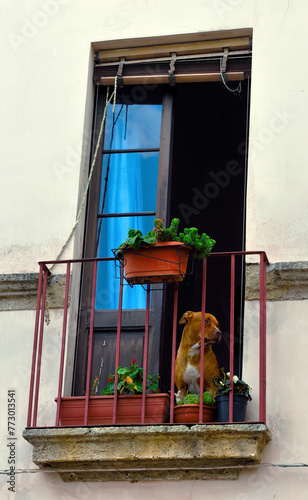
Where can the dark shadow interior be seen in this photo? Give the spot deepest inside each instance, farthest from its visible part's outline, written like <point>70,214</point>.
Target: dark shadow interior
<point>208,189</point>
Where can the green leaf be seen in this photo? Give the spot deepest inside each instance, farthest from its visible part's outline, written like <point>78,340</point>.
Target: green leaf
<point>109,390</point>
<point>208,399</point>
<point>139,386</point>
<point>150,238</point>
<point>123,371</point>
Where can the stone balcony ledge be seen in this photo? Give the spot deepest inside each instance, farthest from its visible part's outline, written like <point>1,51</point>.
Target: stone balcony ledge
<point>145,453</point>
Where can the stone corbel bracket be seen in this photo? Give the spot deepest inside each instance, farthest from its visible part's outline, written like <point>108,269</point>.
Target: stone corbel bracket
<point>284,281</point>
<point>19,291</point>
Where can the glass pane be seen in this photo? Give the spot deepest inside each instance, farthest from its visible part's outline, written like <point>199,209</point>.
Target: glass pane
<point>111,233</point>
<point>129,182</point>
<point>132,126</point>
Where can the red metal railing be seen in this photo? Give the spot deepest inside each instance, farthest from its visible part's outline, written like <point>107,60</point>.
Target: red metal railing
<point>39,335</point>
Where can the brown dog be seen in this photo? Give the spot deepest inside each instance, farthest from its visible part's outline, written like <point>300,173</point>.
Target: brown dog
<point>187,363</point>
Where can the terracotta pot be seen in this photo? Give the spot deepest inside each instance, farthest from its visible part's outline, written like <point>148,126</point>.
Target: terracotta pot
<point>158,263</point>
<point>101,410</point>
<point>189,414</point>
<point>239,407</point>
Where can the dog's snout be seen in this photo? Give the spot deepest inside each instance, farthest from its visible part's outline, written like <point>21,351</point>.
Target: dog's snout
<point>217,331</point>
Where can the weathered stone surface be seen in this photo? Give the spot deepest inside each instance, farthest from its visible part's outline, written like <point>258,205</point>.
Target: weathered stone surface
<point>19,291</point>
<point>284,281</point>
<point>143,453</point>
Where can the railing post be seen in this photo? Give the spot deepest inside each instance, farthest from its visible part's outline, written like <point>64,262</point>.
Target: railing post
<point>232,283</point>
<point>173,355</point>
<point>117,359</point>
<point>40,347</point>
<point>67,287</point>
<point>203,294</point>
<point>262,380</point>
<point>35,339</point>
<point>90,346</point>
<point>145,354</point>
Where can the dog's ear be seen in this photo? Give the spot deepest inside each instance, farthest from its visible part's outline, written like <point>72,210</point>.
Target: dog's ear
<point>186,317</point>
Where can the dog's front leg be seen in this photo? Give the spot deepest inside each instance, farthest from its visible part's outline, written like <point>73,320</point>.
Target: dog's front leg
<point>178,396</point>
<point>181,393</point>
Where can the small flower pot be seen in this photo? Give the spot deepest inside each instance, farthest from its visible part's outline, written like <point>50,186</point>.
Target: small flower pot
<point>189,414</point>
<point>239,407</point>
<point>157,263</point>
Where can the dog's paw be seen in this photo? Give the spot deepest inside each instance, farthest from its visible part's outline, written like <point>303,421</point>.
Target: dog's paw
<point>178,396</point>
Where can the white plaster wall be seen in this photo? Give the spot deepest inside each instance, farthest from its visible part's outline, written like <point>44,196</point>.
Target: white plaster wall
<point>16,356</point>
<point>287,389</point>
<point>287,345</point>
<point>45,85</point>
<point>277,177</point>
<point>45,123</point>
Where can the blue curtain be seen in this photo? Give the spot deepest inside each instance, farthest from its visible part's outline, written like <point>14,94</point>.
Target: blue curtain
<point>129,181</point>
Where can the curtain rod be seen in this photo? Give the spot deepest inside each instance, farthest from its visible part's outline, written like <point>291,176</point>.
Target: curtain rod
<point>179,78</point>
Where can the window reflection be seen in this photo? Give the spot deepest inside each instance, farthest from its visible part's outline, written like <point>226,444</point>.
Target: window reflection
<point>128,185</point>
<point>134,126</point>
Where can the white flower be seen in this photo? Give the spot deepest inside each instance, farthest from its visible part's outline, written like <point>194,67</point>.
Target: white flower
<point>228,374</point>
<point>235,379</point>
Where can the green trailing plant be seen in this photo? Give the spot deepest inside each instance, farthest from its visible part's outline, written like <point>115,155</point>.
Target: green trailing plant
<point>224,385</point>
<point>135,239</point>
<point>166,234</point>
<point>193,399</point>
<point>201,245</point>
<point>130,381</point>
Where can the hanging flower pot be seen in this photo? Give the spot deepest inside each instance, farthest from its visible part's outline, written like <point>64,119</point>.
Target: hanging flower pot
<point>239,407</point>
<point>161,256</point>
<point>157,263</point>
<point>189,414</point>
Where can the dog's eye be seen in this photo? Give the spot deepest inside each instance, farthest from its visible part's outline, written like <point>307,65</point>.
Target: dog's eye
<point>207,321</point>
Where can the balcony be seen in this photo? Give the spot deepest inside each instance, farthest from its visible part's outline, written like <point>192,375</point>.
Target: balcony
<point>82,440</point>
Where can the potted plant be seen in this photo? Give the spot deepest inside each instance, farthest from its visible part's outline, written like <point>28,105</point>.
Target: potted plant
<point>187,409</point>
<point>129,401</point>
<point>162,254</point>
<point>130,381</point>
<point>241,396</point>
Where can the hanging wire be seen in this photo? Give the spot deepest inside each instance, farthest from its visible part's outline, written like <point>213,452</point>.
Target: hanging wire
<point>108,100</point>
<point>233,91</point>
<point>202,468</point>
<point>126,118</point>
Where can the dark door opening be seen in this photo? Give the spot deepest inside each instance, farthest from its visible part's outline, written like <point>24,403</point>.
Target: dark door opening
<point>208,191</point>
